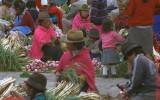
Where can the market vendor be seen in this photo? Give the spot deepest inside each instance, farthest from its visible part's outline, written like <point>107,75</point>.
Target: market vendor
<point>35,88</point>
<point>7,12</point>
<point>78,54</point>
<point>82,19</point>
<point>43,35</point>
<point>23,23</point>
<point>144,82</point>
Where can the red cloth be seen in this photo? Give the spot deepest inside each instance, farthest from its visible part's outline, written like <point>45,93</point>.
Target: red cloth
<point>27,20</point>
<point>13,98</point>
<point>140,13</point>
<point>121,22</point>
<point>87,69</point>
<point>53,10</point>
<point>38,4</point>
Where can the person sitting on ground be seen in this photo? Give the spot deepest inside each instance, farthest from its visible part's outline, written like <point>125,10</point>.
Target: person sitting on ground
<point>68,16</point>
<point>35,87</point>
<point>23,22</point>
<point>44,34</point>
<point>77,54</point>
<point>55,13</point>
<point>82,20</point>
<point>143,84</point>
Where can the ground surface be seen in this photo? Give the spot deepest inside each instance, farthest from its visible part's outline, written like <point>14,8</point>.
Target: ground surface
<point>105,86</point>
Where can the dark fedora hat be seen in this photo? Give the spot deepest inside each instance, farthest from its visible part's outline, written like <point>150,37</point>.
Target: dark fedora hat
<point>127,47</point>
<point>37,81</point>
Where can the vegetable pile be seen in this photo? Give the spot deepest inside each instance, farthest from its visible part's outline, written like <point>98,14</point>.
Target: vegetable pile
<point>40,66</point>
<point>10,61</point>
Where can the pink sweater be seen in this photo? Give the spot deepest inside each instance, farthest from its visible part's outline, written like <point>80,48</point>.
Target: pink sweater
<point>110,39</point>
<point>41,36</point>
<point>79,23</point>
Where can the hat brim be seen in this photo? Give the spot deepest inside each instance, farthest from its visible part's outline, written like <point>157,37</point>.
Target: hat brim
<point>129,50</point>
<point>69,41</point>
<point>83,9</point>
<point>34,85</point>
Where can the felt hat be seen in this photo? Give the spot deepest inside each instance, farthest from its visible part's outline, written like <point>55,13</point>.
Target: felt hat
<point>127,47</point>
<point>43,15</point>
<point>84,7</point>
<point>37,81</point>
<point>74,37</point>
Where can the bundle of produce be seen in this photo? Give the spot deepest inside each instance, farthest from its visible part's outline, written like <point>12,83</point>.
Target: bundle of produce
<point>63,90</point>
<point>90,96</point>
<point>20,90</point>
<point>5,86</point>
<point>10,61</point>
<point>12,42</point>
<point>40,66</point>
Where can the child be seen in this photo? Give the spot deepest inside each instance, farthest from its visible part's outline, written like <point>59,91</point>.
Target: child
<point>93,44</point>
<point>110,55</point>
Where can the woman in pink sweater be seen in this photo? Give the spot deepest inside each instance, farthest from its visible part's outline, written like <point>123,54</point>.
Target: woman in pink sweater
<point>82,21</point>
<point>43,35</point>
<point>110,55</point>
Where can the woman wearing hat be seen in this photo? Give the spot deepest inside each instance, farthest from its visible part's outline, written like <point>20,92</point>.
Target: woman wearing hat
<point>43,34</point>
<point>77,53</point>
<point>36,86</point>
<point>143,83</point>
<point>82,20</point>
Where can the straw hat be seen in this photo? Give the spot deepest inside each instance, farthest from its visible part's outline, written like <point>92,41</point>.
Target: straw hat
<point>75,37</point>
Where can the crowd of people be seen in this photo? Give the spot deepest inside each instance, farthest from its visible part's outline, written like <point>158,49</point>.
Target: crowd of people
<point>92,30</point>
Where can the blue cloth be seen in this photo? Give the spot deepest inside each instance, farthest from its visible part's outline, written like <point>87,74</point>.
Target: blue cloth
<point>156,26</point>
<point>54,19</point>
<point>17,21</point>
<point>23,30</point>
<point>40,97</point>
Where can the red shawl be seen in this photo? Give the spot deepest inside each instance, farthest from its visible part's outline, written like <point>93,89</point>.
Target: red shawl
<point>87,69</point>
